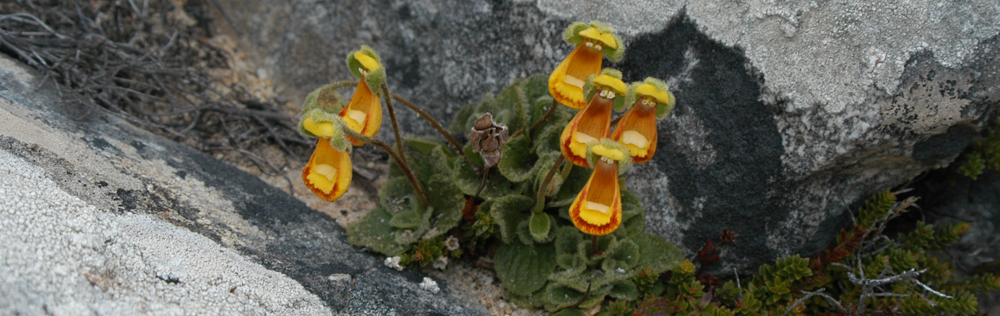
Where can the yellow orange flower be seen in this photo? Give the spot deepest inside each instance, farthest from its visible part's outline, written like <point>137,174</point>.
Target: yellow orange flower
<point>593,42</point>
<point>593,122</point>
<point>328,173</point>
<point>597,210</point>
<point>363,113</point>
<point>651,100</point>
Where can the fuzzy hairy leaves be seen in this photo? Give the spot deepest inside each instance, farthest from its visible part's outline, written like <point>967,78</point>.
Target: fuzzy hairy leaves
<point>633,218</point>
<point>571,186</point>
<point>539,225</point>
<point>518,163</point>
<point>657,253</point>
<point>467,180</point>
<point>625,257</point>
<point>374,231</point>
<point>524,269</point>
<point>447,202</point>
<point>508,211</point>
<point>396,195</point>
<point>508,108</point>
<point>569,312</point>
<point>533,300</point>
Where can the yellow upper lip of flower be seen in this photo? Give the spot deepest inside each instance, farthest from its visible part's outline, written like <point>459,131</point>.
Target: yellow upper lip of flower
<point>367,61</point>
<point>320,129</point>
<point>611,82</point>
<point>651,91</point>
<point>611,153</point>
<point>607,39</point>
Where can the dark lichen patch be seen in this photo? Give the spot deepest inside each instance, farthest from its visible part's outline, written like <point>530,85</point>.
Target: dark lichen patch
<point>127,200</point>
<point>737,191</point>
<point>944,146</point>
<point>100,143</point>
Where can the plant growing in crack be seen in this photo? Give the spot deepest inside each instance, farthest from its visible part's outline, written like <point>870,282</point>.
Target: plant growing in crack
<point>561,236</point>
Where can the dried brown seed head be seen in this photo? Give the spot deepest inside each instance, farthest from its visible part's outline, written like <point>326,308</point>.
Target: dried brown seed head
<point>487,138</point>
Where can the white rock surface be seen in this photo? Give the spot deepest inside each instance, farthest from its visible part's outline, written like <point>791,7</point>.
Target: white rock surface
<point>61,256</point>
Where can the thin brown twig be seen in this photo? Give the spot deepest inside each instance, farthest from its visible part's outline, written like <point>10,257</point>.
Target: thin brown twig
<point>418,187</point>
<point>427,117</point>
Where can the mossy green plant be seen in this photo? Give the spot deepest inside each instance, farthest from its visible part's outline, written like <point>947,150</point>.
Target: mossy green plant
<point>864,273</point>
<point>983,154</point>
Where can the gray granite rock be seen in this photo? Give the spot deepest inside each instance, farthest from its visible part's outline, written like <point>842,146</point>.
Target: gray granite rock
<point>100,217</point>
<point>788,112</point>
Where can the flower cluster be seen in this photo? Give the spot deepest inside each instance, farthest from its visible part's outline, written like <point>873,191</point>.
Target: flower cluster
<point>324,116</point>
<point>587,141</point>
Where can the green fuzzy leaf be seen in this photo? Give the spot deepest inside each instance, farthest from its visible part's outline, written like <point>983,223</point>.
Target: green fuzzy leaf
<point>423,145</point>
<point>634,226</point>
<point>373,231</point>
<point>524,269</point>
<point>447,201</point>
<point>569,312</point>
<point>539,225</point>
<point>534,88</point>
<point>571,262</point>
<point>510,107</point>
<point>606,245</point>
<point>594,279</point>
<point>406,220</point>
<point>355,66</point>
<point>542,168</point>
<point>547,141</point>
<point>626,256</point>
<point>572,185</point>
<point>567,238</point>
<point>559,297</point>
<point>468,180</point>
<point>624,290</point>
<point>509,211</point>
<point>631,205</point>
<point>462,117</point>
<point>374,80</point>
<point>572,33</point>
<point>657,253</point>
<point>395,195</point>
<point>524,233</point>
<point>633,219</point>
<point>324,98</point>
<point>410,236</point>
<point>518,162</point>
<point>533,300</point>
<point>436,162</point>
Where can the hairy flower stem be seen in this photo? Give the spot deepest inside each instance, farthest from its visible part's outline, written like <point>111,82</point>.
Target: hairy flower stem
<point>593,244</point>
<point>548,114</point>
<point>544,188</point>
<point>566,170</point>
<point>486,174</point>
<point>343,84</point>
<point>418,188</point>
<point>395,124</point>
<point>440,128</point>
